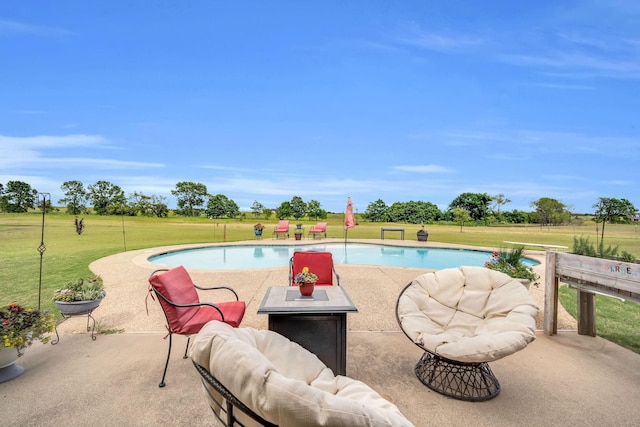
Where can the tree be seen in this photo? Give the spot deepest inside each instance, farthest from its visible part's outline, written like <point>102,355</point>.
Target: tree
<point>220,206</point>
<point>19,196</point>
<point>298,207</point>
<point>376,211</point>
<point>3,199</point>
<point>476,204</point>
<point>141,204</point>
<point>413,212</point>
<point>461,216</point>
<point>190,196</point>
<point>315,211</point>
<point>612,210</point>
<point>266,212</point>
<point>499,200</point>
<point>106,198</point>
<point>284,210</point>
<point>550,211</point>
<point>257,208</point>
<point>75,197</point>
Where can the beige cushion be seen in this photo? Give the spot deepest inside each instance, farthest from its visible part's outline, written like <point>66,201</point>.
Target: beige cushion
<point>286,384</point>
<point>468,314</point>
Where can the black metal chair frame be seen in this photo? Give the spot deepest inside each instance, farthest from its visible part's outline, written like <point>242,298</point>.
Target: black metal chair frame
<point>231,401</point>
<point>473,382</point>
<point>159,294</point>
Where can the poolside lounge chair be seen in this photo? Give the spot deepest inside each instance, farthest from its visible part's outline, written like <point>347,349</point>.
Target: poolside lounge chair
<point>319,229</point>
<point>184,312</point>
<point>319,263</point>
<point>259,377</point>
<point>464,318</point>
<point>282,229</point>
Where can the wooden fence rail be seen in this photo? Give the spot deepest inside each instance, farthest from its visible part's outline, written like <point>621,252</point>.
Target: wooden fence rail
<point>589,276</point>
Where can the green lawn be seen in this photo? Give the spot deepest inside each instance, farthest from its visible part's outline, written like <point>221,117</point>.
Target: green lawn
<point>68,254</point>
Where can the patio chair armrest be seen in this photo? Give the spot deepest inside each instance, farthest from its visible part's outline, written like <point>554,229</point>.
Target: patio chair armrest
<point>213,288</point>
<point>193,304</point>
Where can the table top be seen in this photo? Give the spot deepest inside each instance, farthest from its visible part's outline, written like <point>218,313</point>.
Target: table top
<point>287,299</point>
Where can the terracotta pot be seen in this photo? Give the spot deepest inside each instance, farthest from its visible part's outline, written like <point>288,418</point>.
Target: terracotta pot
<point>306,289</point>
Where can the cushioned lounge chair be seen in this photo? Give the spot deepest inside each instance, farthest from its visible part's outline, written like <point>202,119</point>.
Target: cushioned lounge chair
<point>184,312</point>
<point>282,229</point>
<point>318,230</point>
<point>320,263</point>
<point>258,377</point>
<point>464,318</point>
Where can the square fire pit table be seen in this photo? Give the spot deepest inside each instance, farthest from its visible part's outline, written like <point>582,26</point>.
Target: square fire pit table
<point>318,323</point>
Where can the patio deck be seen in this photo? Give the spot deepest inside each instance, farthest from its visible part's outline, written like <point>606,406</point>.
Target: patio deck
<point>566,379</point>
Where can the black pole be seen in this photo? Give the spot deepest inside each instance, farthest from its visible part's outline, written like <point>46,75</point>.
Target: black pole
<point>42,246</point>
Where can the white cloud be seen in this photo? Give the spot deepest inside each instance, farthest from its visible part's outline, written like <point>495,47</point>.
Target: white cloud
<point>15,28</point>
<point>424,168</point>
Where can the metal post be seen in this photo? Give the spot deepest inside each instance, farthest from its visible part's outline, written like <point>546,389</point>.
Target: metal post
<point>42,246</point>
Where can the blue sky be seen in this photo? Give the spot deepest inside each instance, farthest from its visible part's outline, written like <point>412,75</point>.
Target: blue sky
<point>399,101</point>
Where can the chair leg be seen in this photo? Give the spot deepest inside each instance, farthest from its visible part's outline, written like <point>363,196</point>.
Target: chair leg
<point>166,365</point>
<point>187,348</point>
<point>472,382</point>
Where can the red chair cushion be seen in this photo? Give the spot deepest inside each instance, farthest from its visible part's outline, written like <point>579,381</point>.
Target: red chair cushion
<point>176,285</point>
<point>319,263</point>
<point>233,313</point>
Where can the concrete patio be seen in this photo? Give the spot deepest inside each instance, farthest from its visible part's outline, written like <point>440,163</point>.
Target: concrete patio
<point>566,379</point>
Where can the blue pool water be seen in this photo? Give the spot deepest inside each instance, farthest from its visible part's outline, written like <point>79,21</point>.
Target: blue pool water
<point>255,256</point>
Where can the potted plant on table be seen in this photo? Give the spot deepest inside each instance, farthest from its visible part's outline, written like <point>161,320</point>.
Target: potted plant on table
<point>510,262</point>
<point>19,328</point>
<point>306,281</point>
<point>80,296</point>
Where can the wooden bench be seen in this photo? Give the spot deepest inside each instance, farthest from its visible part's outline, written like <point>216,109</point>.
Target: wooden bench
<point>383,229</point>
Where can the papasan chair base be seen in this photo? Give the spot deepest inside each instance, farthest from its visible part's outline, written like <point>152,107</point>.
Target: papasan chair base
<point>472,382</point>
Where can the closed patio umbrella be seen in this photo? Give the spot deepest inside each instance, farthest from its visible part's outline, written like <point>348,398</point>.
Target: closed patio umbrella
<point>349,220</point>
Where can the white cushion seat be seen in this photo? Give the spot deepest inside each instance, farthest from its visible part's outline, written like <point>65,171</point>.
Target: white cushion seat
<point>284,383</point>
<point>469,315</point>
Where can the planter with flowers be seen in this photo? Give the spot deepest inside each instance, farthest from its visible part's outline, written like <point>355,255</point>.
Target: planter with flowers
<point>306,281</point>
<point>80,296</point>
<point>257,229</point>
<point>422,235</point>
<point>19,328</point>
<point>510,263</point>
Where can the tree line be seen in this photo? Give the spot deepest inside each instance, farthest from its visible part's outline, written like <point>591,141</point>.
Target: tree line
<point>193,199</point>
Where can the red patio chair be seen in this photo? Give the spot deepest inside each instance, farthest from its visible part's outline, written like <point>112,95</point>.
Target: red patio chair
<point>181,305</point>
<point>319,229</point>
<point>282,228</point>
<point>319,263</point>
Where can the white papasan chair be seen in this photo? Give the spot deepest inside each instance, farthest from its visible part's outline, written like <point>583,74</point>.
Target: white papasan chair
<point>258,377</point>
<point>464,318</point>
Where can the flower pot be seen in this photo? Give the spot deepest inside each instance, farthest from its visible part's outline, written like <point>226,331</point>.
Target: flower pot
<point>8,368</point>
<point>298,236</point>
<point>306,289</point>
<point>78,307</point>
<point>422,237</point>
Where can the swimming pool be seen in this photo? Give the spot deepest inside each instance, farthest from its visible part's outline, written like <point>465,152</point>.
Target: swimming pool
<point>256,256</point>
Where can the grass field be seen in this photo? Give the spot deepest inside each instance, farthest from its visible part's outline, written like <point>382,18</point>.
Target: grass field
<point>68,254</point>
